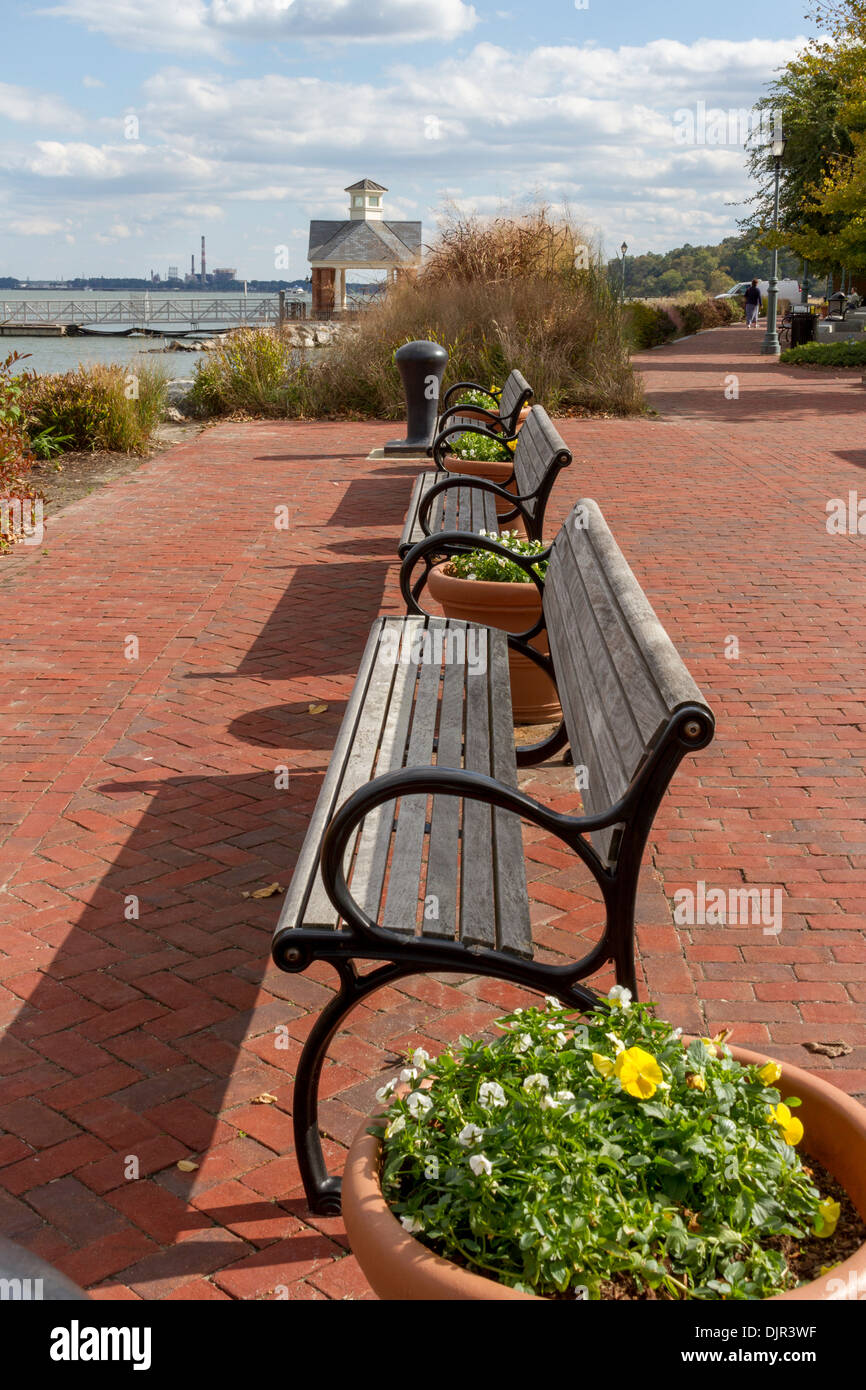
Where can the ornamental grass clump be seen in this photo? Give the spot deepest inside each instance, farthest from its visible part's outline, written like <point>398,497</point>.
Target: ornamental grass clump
<point>601,1154</point>
<point>483,564</point>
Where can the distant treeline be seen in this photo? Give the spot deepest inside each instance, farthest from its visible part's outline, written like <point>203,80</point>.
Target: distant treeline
<point>708,269</point>
<point>129,282</point>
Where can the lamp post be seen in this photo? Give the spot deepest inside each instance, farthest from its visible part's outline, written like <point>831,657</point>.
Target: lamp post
<point>771,338</point>
<point>623,249</point>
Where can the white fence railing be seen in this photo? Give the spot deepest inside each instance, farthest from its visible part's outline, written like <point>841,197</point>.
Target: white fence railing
<point>145,310</point>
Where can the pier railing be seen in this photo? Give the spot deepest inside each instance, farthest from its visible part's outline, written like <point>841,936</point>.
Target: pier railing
<point>193,312</point>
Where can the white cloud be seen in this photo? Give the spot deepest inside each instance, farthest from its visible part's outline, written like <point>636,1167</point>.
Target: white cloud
<point>206,24</point>
<point>35,226</point>
<point>25,106</point>
<point>88,81</point>
<point>594,127</point>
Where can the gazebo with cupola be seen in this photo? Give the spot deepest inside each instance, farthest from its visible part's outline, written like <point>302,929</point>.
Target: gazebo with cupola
<point>367,241</point>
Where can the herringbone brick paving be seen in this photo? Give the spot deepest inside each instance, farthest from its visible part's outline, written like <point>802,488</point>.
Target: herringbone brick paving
<point>141,802</point>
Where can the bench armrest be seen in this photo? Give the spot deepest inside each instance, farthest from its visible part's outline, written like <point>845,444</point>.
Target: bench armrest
<point>443,435</point>
<point>494,419</point>
<point>443,781</point>
<point>447,543</point>
<point>494,392</point>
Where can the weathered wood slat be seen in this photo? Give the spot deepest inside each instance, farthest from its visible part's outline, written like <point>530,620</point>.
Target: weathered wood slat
<point>477,894</point>
<point>401,902</point>
<point>442,877</point>
<point>361,757</point>
<point>514,930</point>
<point>294,909</point>
<point>371,858</point>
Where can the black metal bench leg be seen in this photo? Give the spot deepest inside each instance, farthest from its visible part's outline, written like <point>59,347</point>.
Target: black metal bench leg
<point>322,1189</point>
<point>620,916</point>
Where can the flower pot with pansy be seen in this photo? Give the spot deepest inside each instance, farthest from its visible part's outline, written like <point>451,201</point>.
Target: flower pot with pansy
<point>605,1156</point>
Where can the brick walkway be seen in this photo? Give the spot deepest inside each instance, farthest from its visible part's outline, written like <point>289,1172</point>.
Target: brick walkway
<point>139,803</point>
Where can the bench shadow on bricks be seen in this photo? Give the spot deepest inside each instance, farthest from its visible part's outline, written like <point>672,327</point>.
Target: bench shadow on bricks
<point>164,1006</point>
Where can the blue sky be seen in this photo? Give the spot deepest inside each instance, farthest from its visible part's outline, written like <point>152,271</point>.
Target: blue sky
<point>127,128</point>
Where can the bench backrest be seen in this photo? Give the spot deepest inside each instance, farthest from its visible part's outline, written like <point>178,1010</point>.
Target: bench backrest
<point>540,453</point>
<point>619,676</point>
<point>516,393</point>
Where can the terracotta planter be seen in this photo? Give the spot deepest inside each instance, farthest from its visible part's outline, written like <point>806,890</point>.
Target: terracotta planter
<point>401,1268</point>
<point>514,608</point>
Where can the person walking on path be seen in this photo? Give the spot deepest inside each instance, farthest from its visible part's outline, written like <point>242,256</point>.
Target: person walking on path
<point>753,304</point>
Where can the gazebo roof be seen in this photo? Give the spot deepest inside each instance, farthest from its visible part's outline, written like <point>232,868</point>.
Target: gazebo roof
<point>366,186</point>
<point>365,243</point>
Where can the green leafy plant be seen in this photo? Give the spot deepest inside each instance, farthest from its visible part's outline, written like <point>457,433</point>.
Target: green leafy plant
<point>251,373</point>
<point>603,1153</point>
<point>95,407</point>
<point>48,443</point>
<point>850,352</point>
<point>478,446</point>
<point>487,400</point>
<point>16,457</point>
<point>483,564</point>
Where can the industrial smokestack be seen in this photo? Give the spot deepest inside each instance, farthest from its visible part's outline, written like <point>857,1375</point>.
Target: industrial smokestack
<point>203,279</point>
<point>192,265</point>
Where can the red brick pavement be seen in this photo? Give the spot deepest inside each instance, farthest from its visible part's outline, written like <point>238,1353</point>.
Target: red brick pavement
<point>139,803</point>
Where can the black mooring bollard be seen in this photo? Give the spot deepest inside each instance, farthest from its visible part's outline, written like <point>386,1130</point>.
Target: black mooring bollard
<point>421,366</point>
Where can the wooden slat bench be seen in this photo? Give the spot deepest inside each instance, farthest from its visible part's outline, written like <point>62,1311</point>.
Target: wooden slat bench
<point>515,394</point>
<point>442,500</point>
<point>393,872</point>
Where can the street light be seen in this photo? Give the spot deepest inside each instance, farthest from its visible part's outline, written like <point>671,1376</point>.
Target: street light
<point>771,342</point>
<point>623,249</point>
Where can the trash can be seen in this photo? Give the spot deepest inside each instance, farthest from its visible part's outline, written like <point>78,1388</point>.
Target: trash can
<point>804,328</point>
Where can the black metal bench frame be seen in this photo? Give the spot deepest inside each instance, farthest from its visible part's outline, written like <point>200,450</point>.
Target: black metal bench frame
<point>619,834</point>
<point>514,395</point>
<point>528,505</point>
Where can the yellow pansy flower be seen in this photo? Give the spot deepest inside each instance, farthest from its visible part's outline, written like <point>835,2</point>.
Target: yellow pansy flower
<point>695,1081</point>
<point>602,1064</point>
<point>792,1129</point>
<point>638,1071</point>
<point>828,1217</point>
<point>769,1073</point>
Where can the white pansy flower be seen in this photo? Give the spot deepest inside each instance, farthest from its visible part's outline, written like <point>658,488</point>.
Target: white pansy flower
<point>548,1102</point>
<point>620,996</point>
<point>411,1224</point>
<point>408,1074</point>
<point>619,1045</point>
<point>418,1103</point>
<point>560,1038</point>
<point>420,1058</point>
<point>551,1002</point>
<point>491,1095</point>
<point>564,1097</point>
<point>524,1043</point>
<point>479,1164</point>
<point>536,1082</point>
<point>678,1032</point>
<point>469,1134</point>
<point>385,1092</point>
<point>398,1123</point>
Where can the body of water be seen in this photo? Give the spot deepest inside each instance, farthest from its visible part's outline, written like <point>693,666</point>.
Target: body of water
<point>64,354</point>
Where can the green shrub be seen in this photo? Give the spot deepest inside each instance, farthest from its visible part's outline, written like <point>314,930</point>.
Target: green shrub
<point>602,1152</point>
<point>850,352</point>
<point>97,407</point>
<point>649,325</point>
<point>250,373</point>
